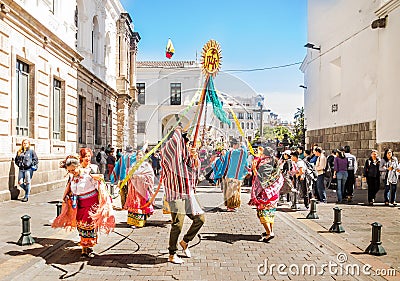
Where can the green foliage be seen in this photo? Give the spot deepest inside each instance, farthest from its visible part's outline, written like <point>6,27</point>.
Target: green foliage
<point>299,127</point>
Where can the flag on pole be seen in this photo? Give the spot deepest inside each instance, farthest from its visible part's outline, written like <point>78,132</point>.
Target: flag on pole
<point>169,52</point>
<point>212,97</point>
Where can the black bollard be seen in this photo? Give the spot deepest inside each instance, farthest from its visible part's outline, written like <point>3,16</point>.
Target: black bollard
<point>376,248</point>
<point>313,210</point>
<point>337,221</point>
<point>59,208</point>
<point>26,238</point>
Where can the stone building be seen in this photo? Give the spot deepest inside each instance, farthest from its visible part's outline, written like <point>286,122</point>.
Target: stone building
<point>350,75</point>
<point>66,81</point>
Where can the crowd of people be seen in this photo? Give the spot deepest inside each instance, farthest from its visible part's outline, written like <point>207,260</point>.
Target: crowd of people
<point>273,175</point>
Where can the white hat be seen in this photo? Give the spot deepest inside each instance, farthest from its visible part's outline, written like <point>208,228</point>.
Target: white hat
<point>288,152</point>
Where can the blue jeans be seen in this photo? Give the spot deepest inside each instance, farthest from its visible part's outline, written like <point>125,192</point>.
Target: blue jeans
<point>321,188</point>
<point>24,180</point>
<point>390,188</point>
<point>341,181</point>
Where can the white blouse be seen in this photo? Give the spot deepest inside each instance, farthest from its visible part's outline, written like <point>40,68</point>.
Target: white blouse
<point>82,184</point>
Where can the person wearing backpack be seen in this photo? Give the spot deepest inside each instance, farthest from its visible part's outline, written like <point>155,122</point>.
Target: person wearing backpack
<point>300,179</point>
<point>320,168</point>
<point>27,161</point>
<point>351,171</point>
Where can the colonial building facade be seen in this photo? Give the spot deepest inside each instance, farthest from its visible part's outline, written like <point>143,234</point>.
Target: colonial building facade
<point>165,90</point>
<point>350,74</point>
<point>66,81</point>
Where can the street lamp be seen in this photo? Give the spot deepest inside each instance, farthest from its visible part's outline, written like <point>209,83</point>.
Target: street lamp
<point>261,110</point>
<point>312,46</point>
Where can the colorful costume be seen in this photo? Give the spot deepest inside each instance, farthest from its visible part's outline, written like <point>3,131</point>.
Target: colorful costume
<point>234,170</point>
<point>88,209</point>
<point>121,169</point>
<point>140,189</point>
<point>265,188</point>
<point>179,176</point>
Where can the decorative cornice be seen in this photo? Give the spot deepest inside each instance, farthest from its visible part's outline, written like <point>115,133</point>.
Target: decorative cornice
<point>387,8</point>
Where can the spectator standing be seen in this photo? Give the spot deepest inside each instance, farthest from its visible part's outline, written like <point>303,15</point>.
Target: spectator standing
<point>371,172</point>
<point>340,173</point>
<point>27,161</point>
<point>390,167</point>
<point>320,168</point>
<point>300,181</point>
<point>110,163</point>
<point>351,171</point>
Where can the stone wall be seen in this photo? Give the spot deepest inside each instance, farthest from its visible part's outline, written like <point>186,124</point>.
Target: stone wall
<point>360,137</point>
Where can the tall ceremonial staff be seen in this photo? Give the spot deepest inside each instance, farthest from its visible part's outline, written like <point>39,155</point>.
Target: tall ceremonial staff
<point>210,65</point>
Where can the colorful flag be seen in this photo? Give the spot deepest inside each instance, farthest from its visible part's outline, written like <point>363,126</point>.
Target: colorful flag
<point>212,97</point>
<point>170,49</point>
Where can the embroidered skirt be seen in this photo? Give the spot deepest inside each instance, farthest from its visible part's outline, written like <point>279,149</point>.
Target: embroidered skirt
<point>266,215</point>
<point>87,203</point>
<point>232,193</point>
<point>137,220</point>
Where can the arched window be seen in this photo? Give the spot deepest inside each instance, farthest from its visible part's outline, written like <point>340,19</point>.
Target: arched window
<point>107,51</point>
<point>95,34</point>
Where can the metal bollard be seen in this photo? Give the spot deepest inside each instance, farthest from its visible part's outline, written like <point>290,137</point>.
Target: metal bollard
<point>313,210</point>
<point>26,238</point>
<point>376,248</point>
<point>337,221</point>
<point>59,208</point>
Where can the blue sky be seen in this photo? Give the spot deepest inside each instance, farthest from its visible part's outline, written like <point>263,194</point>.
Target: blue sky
<point>252,34</point>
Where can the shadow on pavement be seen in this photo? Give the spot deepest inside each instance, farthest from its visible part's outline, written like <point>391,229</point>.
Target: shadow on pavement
<point>229,237</point>
<point>59,252</point>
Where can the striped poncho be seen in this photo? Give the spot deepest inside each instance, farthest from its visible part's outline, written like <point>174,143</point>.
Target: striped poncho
<point>178,168</point>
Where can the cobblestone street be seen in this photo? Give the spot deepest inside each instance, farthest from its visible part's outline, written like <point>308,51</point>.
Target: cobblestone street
<point>228,246</point>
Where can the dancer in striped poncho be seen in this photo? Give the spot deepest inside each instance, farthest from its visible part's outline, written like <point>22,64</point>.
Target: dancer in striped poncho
<point>179,173</point>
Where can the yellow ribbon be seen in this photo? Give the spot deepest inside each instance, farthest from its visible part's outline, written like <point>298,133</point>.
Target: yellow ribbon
<point>241,131</point>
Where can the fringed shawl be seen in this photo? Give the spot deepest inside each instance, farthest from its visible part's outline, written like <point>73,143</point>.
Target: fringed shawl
<point>140,188</point>
<point>267,183</point>
<point>101,214</point>
<point>178,169</point>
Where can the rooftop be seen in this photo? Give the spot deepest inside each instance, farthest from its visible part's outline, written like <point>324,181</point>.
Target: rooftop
<point>166,64</point>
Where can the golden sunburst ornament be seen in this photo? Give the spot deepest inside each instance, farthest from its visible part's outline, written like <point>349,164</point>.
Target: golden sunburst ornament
<point>211,58</point>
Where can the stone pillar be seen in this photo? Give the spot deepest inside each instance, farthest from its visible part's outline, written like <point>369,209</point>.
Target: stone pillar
<point>123,113</point>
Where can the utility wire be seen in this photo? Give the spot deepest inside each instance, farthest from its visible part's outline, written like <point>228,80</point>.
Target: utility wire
<point>264,68</point>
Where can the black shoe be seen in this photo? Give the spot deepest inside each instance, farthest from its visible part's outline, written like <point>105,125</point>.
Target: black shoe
<point>268,238</point>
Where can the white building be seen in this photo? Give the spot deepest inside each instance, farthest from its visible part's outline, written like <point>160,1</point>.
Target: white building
<point>350,73</point>
<point>165,90</point>
<point>60,86</point>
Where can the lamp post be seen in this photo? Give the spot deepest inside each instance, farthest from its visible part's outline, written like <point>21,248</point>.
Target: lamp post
<point>261,110</point>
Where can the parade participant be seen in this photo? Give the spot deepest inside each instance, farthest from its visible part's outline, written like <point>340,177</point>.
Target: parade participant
<point>179,174</point>
<point>121,169</point>
<point>267,183</point>
<point>217,167</point>
<point>27,162</point>
<point>86,205</point>
<point>235,169</point>
<point>85,156</point>
<point>140,189</point>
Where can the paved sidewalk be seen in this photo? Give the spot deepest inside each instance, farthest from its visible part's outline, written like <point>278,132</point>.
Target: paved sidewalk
<point>227,249</point>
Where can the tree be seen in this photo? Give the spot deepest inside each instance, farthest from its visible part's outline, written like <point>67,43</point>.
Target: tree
<point>299,127</point>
